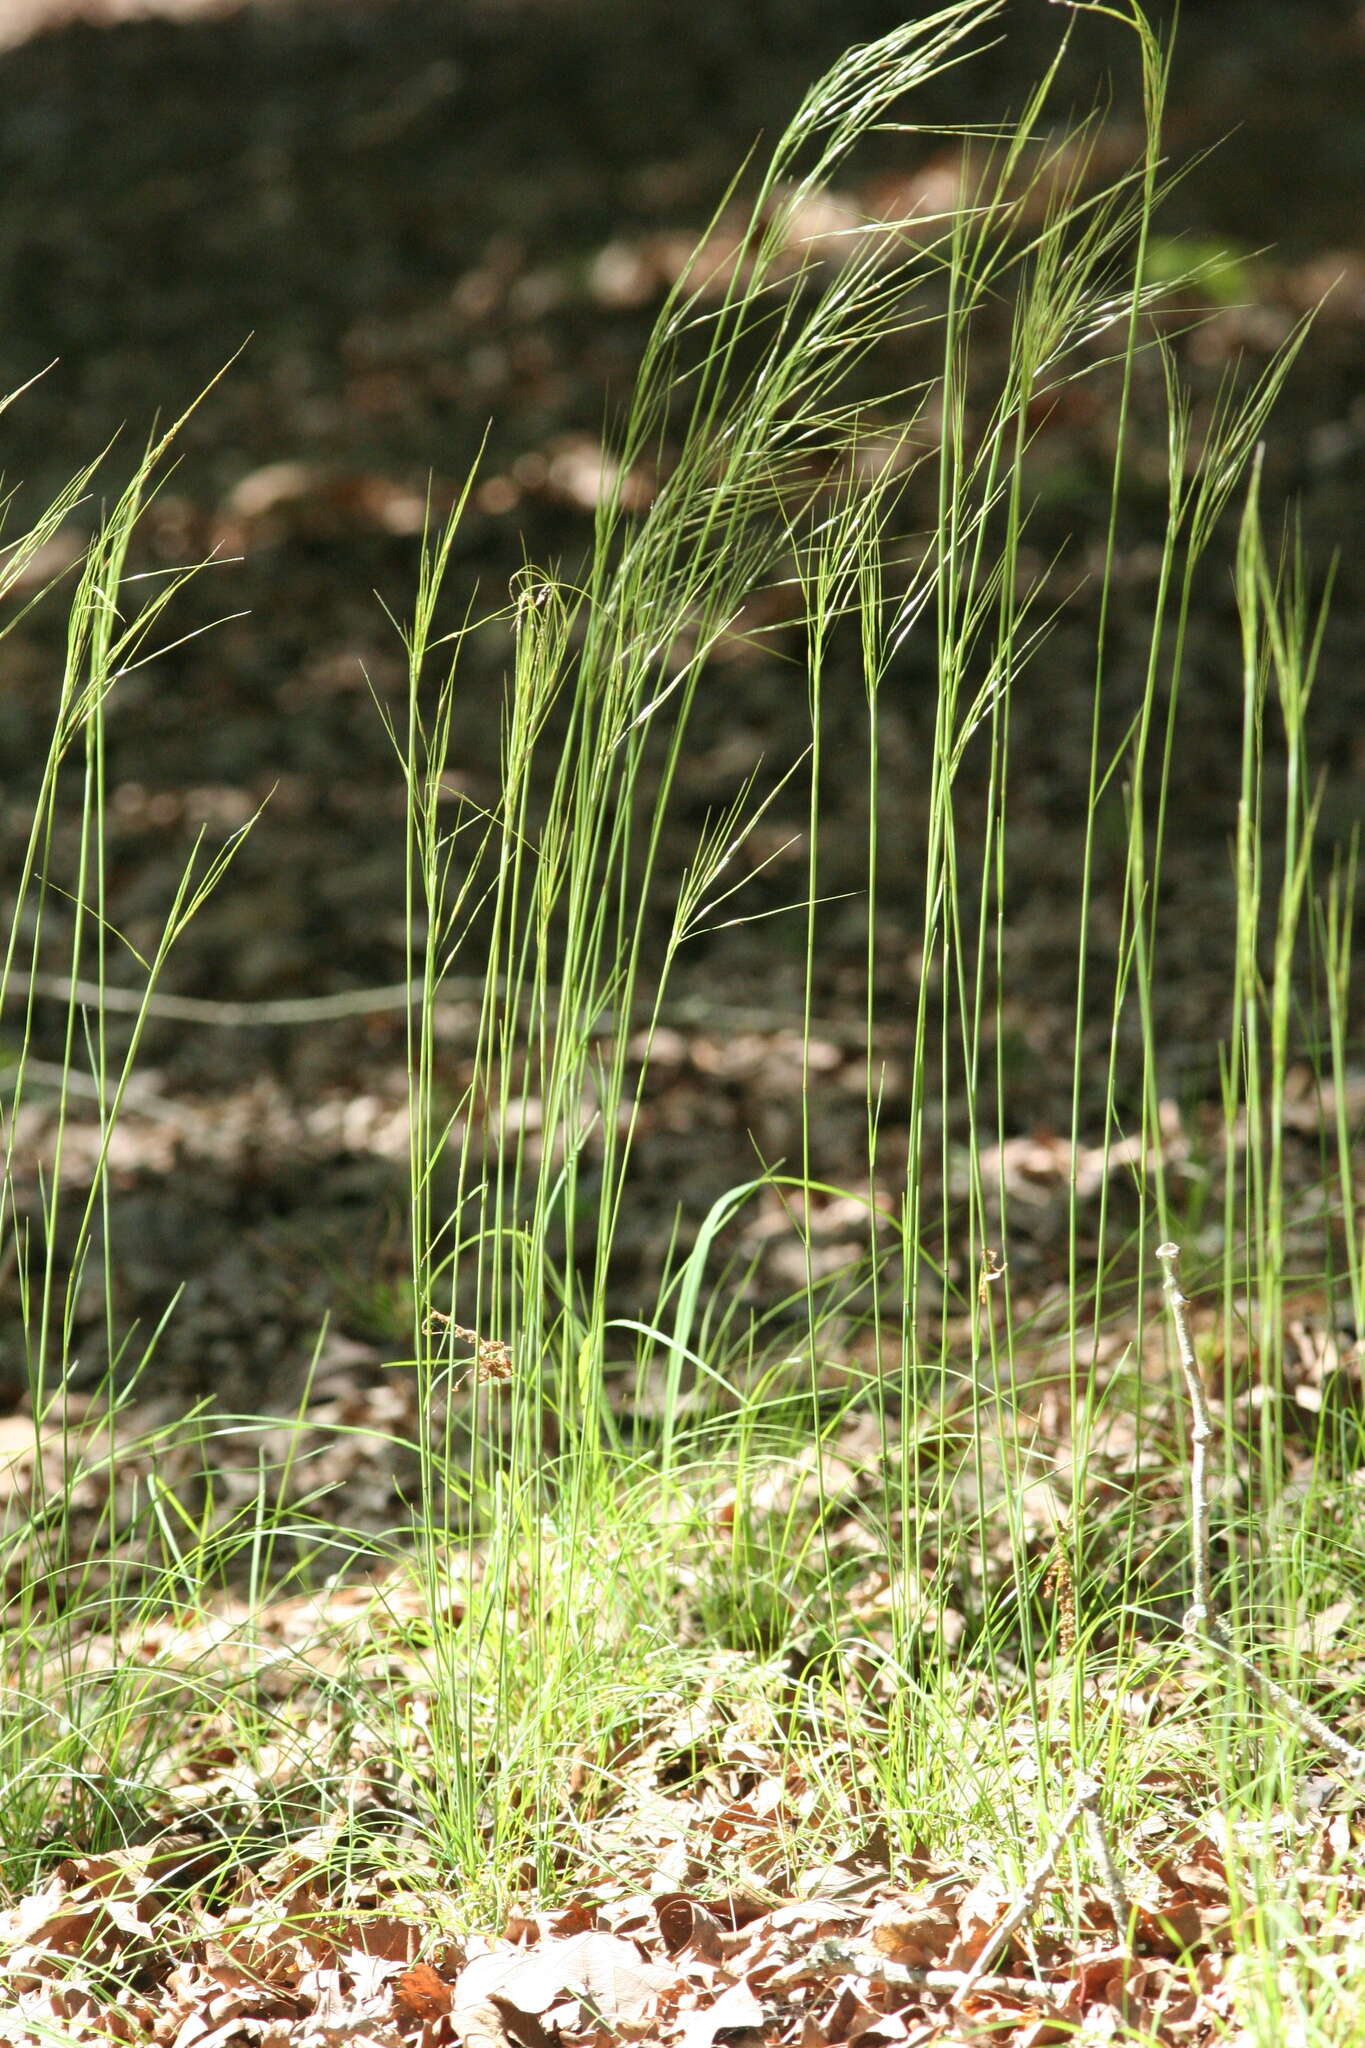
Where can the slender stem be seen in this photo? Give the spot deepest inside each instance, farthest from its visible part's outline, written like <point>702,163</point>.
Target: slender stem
<point>1088,1792</point>
<point>1201,1616</point>
<point>1202,1625</point>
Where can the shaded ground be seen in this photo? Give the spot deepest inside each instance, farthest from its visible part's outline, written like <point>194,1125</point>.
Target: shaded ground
<point>432,217</point>
<point>428,219</point>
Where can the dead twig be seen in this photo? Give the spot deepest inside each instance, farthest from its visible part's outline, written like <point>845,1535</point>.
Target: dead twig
<point>1086,1801</point>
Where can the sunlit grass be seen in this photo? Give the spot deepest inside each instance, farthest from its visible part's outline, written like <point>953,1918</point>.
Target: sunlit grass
<point>923,1537</point>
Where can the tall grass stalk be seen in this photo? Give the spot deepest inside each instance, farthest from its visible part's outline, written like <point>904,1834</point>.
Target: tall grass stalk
<point>621,1481</point>
<point>746,416</point>
<point>77,1743</point>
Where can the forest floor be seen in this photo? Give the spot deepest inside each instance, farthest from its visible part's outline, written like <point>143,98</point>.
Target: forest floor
<point>429,230</point>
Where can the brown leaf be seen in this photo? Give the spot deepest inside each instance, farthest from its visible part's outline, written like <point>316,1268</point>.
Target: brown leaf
<point>422,1993</point>
<point>685,1924</point>
<point>603,1971</point>
<point>1112,1977</point>
<point>849,2015</point>
<point>735,2017</point>
<point>1204,1878</point>
<point>892,2030</point>
<point>807,1920</point>
<point>978,1916</point>
<point>918,1931</point>
<point>479,2025</point>
<point>855,1872</point>
<point>575,1918</point>
<point>1043,2031</point>
<point>523,2029</point>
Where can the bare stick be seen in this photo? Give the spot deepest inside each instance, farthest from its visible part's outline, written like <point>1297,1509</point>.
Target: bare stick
<point>1089,1795</point>
<point>1201,1618</point>
<point>360,1002</point>
<point>959,1984</point>
<point>860,1959</point>
<point>1035,1883</point>
<point>1202,1625</point>
<point>454,992</point>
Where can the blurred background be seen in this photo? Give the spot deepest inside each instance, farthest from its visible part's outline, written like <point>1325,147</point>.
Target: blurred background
<point>411,224</point>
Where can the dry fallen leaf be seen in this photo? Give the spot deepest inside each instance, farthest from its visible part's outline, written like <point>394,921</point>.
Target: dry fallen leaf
<point>685,1925</point>
<point>917,1931</point>
<point>604,1972</point>
<point>978,1916</point>
<point>736,2014</point>
<point>480,2025</point>
<point>422,1993</point>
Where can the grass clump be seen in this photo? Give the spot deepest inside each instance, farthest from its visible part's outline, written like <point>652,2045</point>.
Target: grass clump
<point>716,1586</point>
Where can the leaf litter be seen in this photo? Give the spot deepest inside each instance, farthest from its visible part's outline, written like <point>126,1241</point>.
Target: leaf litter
<point>100,1953</point>
<point>729,1874</point>
<point>691,1917</point>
